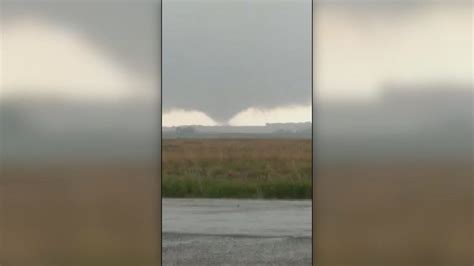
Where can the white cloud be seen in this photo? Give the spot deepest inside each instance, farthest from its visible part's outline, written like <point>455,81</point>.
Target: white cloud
<point>255,116</point>
<point>47,60</point>
<point>360,50</point>
<point>182,118</point>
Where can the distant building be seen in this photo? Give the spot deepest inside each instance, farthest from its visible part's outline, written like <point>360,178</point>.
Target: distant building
<point>288,127</point>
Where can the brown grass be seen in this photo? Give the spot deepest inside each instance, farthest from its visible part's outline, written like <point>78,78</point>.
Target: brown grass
<point>395,214</point>
<point>237,168</point>
<point>79,214</point>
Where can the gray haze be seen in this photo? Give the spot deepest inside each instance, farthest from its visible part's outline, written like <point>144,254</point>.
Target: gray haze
<point>221,57</point>
<point>128,31</point>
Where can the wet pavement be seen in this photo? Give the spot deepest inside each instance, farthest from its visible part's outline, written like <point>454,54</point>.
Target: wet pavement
<point>236,232</point>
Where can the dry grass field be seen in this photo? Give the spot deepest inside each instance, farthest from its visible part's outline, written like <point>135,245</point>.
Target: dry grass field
<point>395,214</point>
<point>77,214</point>
<point>391,213</point>
<point>233,168</point>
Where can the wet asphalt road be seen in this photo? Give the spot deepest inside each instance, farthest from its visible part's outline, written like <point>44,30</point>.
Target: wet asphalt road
<point>236,232</point>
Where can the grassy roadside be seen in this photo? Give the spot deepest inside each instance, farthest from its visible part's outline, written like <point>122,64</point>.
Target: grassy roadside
<point>276,169</point>
<point>215,188</point>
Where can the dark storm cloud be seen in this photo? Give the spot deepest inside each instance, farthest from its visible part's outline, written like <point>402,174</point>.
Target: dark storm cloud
<point>222,57</point>
<point>127,31</point>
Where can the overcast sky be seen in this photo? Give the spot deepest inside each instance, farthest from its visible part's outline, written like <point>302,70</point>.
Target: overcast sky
<point>128,31</point>
<point>360,48</point>
<point>222,57</point>
<point>237,61</point>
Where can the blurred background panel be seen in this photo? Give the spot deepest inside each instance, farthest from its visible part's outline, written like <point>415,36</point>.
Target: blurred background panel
<point>393,135</point>
<point>80,133</point>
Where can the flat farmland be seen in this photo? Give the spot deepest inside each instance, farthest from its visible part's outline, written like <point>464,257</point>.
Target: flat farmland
<point>78,213</point>
<point>237,168</point>
<point>394,213</point>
